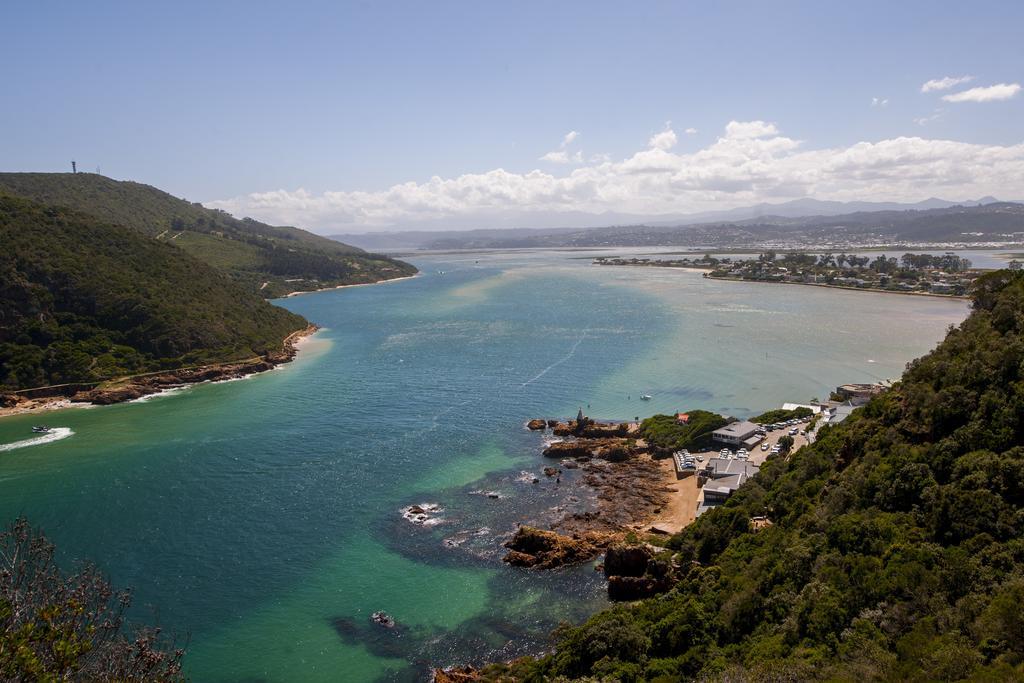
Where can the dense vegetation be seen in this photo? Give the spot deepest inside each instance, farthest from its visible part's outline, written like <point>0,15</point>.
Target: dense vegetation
<point>896,550</point>
<point>782,415</point>
<point>82,300</point>
<point>56,627</point>
<point>265,258</point>
<point>667,433</point>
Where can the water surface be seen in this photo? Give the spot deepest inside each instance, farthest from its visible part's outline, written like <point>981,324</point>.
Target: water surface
<point>262,517</point>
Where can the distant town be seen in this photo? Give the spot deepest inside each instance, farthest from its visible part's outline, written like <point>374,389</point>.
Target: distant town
<point>941,275</point>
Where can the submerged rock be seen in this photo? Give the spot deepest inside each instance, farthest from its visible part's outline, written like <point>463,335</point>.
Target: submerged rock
<point>383,619</point>
<point>425,514</point>
<point>567,449</point>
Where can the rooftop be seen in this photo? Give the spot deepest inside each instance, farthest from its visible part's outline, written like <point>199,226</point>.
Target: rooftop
<point>720,467</point>
<point>738,429</point>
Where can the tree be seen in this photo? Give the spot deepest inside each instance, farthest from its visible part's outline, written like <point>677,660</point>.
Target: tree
<point>56,627</point>
<point>786,443</point>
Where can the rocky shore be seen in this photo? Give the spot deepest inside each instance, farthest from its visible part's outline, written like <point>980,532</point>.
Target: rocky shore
<point>131,388</point>
<point>617,470</point>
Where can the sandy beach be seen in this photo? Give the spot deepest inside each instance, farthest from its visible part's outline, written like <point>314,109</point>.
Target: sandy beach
<point>684,495</point>
<point>361,284</point>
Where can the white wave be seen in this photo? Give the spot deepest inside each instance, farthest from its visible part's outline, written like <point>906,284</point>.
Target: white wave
<point>164,392</point>
<point>55,434</point>
<point>572,352</point>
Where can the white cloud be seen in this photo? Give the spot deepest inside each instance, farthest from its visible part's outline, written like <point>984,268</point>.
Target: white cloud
<point>739,130</point>
<point>879,101</point>
<point>664,140</point>
<point>945,83</point>
<point>751,162</point>
<point>990,93</point>
<point>561,155</point>
<point>690,131</point>
<point>925,120</point>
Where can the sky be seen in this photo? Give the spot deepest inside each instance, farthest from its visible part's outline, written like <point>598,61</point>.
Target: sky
<point>366,116</point>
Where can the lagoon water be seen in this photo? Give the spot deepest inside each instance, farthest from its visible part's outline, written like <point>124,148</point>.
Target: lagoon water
<point>262,518</point>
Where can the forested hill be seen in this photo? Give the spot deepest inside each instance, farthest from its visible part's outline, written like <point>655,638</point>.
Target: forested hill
<point>269,259</point>
<point>82,299</point>
<point>896,551</point>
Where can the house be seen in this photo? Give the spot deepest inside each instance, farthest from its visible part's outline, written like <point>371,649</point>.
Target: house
<point>815,409</point>
<point>737,434</point>
<point>841,412</point>
<point>721,477</point>
<point>683,418</point>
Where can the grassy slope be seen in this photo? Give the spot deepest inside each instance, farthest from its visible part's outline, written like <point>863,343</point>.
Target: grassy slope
<point>249,251</point>
<point>896,554</point>
<point>82,299</point>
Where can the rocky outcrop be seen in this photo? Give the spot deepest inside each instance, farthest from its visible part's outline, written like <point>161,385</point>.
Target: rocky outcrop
<point>588,429</point>
<point>612,449</point>
<point>634,572</point>
<point>144,385</point>
<point>536,425</point>
<point>457,674</point>
<point>531,547</point>
<point>567,449</point>
<point>595,430</point>
<point>627,560</point>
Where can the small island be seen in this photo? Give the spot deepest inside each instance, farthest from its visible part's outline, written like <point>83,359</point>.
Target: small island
<point>947,275</point>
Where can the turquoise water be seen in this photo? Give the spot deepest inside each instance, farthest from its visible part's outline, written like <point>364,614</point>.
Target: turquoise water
<point>262,518</point>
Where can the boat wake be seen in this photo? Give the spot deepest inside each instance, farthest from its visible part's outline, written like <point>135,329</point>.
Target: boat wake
<point>55,434</point>
<point>572,352</point>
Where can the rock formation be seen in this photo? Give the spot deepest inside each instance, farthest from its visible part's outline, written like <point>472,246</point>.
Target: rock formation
<point>531,547</point>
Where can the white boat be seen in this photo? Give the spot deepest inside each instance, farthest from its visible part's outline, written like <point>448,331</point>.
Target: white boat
<point>645,397</point>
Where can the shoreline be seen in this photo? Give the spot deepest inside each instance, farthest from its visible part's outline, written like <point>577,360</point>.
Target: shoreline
<point>133,387</point>
<point>874,290</point>
<point>358,284</point>
<point>707,275</point>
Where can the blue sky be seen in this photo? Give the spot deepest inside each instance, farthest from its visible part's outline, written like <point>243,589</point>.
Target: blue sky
<point>337,115</point>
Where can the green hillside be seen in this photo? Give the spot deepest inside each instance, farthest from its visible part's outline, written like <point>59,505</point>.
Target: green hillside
<point>896,551</point>
<point>269,259</point>
<point>82,299</point>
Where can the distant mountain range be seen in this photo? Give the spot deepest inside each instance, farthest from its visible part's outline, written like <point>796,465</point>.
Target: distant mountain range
<point>933,219</point>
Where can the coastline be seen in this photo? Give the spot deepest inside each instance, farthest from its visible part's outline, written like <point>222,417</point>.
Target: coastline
<point>876,290</point>
<point>852,289</point>
<point>360,284</point>
<point>122,389</point>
